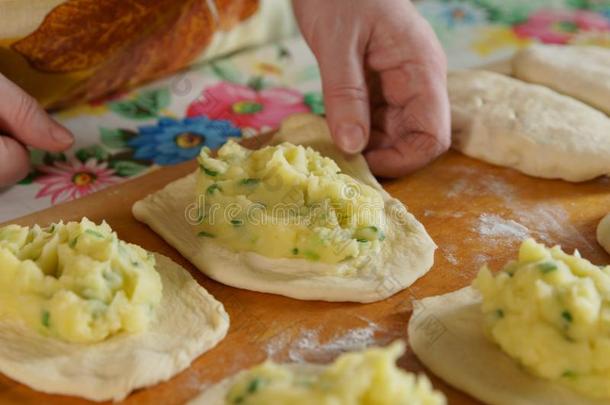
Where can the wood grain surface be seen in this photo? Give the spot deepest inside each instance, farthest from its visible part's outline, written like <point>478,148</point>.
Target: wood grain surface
<point>475,212</point>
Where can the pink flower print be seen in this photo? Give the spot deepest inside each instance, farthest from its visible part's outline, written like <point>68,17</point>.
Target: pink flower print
<point>559,26</point>
<point>246,107</point>
<point>66,181</point>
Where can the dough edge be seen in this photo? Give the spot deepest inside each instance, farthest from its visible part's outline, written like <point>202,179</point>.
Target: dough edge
<point>216,393</point>
<point>445,332</point>
<point>578,71</point>
<point>112,369</point>
<point>245,269</point>
<point>494,131</point>
<point>603,233</point>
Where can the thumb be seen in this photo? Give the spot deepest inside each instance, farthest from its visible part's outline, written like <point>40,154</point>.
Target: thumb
<point>23,119</point>
<point>345,95</point>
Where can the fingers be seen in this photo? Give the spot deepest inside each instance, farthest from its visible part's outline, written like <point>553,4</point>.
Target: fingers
<point>338,42</point>
<point>410,136</point>
<point>14,161</point>
<point>346,101</point>
<point>413,127</point>
<point>405,155</point>
<point>23,119</point>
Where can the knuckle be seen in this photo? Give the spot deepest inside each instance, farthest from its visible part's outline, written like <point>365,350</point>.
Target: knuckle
<point>346,92</point>
<point>14,162</point>
<point>25,109</point>
<point>444,144</point>
<point>4,146</point>
<point>428,144</point>
<point>438,144</point>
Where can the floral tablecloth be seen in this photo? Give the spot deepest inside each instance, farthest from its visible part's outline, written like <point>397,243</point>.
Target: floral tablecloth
<point>168,121</point>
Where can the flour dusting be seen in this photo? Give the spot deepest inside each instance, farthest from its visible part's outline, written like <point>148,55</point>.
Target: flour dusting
<point>494,226</point>
<point>448,213</point>
<point>308,345</point>
<point>449,254</point>
<point>481,259</point>
<point>480,184</point>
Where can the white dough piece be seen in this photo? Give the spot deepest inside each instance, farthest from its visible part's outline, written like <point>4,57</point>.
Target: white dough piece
<point>446,333</point>
<point>189,322</point>
<point>603,233</point>
<point>582,72</point>
<point>527,127</point>
<point>408,251</point>
<point>216,394</point>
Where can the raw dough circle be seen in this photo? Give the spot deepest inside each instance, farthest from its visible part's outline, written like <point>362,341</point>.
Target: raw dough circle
<point>215,395</point>
<point>189,322</point>
<point>582,72</point>
<point>527,127</point>
<point>407,254</point>
<point>446,333</point>
<point>603,233</point>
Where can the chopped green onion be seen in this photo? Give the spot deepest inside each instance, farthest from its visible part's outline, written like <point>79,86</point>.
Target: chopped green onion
<point>254,385</point>
<point>547,267</point>
<point>568,374</point>
<point>249,182</point>
<point>73,242</point>
<point>567,316</point>
<point>213,188</point>
<point>500,313</point>
<point>209,172</point>
<point>295,251</point>
<point>46,318</point>
<point>237,222</point>
<point>204,234</point>
<point>362,240</point>
<point>311,255</point>
<point>94,233</point>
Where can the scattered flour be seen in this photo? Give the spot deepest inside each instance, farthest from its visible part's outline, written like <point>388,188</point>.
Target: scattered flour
<point>494,226</point>
<point>545,221</point>
<point>307,345</point>
<point>444,214</point>
<point>449,254</point>
<point>458,188</point>
<point>480,260</point>
<point>451,259</point>
<point>551,222</point>
<point>477,184</point>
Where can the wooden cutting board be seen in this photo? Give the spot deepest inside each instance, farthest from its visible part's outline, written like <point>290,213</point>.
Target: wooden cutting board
<point>475,212</point>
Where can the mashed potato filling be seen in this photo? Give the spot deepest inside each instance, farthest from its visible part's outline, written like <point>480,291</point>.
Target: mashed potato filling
<point>551,312</point>
<point>287,201</point>
<point>77,281</point>
<point>368,377</point>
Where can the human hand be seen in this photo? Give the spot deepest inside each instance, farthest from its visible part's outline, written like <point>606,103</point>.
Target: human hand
<point>384,80</point>
<point>24,123</point>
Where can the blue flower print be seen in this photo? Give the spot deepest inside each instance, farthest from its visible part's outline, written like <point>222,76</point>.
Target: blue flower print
<point>173,141</point>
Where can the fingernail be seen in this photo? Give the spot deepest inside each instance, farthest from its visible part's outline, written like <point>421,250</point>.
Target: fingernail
<point>350,138</point>
<point>62,135</point>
